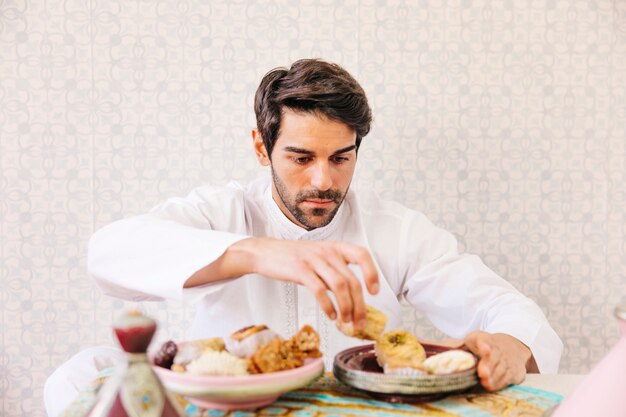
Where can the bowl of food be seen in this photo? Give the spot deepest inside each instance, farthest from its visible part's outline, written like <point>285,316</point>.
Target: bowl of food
<point>247,370</point>
<point>358,368</point>
<point>399,368</point>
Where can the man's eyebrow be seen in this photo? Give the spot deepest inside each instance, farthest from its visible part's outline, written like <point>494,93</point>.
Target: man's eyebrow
<point>308,152</point>
<point>344,150</point>
<point>298,150</point>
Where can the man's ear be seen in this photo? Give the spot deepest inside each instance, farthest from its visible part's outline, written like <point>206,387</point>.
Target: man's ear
<point>259,148</point>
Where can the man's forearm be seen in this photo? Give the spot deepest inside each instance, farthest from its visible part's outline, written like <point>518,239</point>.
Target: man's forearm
<point>234,262</point>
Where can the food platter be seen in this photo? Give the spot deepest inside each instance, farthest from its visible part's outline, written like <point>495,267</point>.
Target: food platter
<point>239,392</point>
<point>357,367</point>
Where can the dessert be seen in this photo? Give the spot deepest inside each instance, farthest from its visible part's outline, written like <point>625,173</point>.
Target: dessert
<point>399,352</point>
<point>280,355</point>
<point>449,362</point>
<point>307,341</point>
<point>374,327</point>
<point>212,362</point>
<point>193,350</point>
<point>244,342</point>
<point>165,356</point>
<point>251,350</point>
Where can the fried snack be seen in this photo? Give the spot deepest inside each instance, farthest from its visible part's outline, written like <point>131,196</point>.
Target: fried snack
<point>450,361</point>
<point>307,341</point>
<point>212,362</point>
<point>399,352</point>
<point>277,355</point>
<point>244,342</point>
<point>374,327</point>
<point>280,355</point>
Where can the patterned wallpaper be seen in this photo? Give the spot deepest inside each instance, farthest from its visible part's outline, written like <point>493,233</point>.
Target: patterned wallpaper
<point>504,121</point>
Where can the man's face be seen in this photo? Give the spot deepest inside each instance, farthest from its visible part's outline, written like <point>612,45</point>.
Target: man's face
<point>312,163</point>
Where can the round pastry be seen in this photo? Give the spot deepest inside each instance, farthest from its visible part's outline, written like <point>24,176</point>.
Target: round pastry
<point>399,352</point>
<point>244,342</point>
<point>450,361</point>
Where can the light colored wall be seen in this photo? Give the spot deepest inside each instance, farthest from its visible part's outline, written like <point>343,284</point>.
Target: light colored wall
<point>504,121</point>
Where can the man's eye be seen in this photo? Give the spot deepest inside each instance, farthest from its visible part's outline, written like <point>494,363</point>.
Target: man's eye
<point>302,160</point>
<point>340,159</point>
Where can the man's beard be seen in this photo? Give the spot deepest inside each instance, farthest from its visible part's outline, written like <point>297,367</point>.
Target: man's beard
<point>325,215</point>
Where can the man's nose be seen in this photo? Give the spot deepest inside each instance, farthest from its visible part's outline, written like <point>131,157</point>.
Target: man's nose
<point>321,178</point>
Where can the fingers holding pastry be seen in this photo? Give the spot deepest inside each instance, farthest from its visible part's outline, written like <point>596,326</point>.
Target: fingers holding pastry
<point>375,322</point>
<point>352,288</point>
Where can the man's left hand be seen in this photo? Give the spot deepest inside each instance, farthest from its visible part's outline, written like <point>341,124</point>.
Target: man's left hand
<point>503,360</point>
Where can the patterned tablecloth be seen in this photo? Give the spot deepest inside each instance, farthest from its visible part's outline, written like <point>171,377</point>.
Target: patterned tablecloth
<point>327,397</point>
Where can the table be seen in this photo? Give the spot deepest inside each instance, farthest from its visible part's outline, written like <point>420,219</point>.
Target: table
<point>562,384</point>
<point>327,397</point>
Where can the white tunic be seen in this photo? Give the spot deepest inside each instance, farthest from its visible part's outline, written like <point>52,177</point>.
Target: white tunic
<point>149,257</point>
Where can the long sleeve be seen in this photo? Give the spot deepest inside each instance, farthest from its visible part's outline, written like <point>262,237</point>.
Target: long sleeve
<point>459,293</point>
<point>150,256</point>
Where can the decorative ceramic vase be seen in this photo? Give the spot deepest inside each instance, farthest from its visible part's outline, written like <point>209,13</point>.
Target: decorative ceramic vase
<point>134,390</point>
<point>603,391</point>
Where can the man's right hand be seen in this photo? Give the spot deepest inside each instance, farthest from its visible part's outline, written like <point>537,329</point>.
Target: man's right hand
<point>320,266</point>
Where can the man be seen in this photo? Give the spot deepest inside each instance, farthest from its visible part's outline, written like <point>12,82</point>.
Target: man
<point>301,247</point>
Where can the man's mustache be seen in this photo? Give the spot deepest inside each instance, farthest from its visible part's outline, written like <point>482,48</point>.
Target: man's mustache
<point>333,195</point>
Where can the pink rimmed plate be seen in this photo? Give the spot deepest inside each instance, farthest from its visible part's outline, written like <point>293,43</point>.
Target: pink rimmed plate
<point>239,392</point>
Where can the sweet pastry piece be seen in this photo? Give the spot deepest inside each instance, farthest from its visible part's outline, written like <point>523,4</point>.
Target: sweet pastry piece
<point>375,325</point>
<point>212,362</point>
<point>449,362</point>
<point>244,342</point>
<point>192,350</point>
<point>277,355</point>
<point>307,341</point>
<point>280,355</point>
<point>399,352</point>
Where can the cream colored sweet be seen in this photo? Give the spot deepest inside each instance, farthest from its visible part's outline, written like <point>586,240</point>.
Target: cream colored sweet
<point>243,343</point>
<point>449,362</point>
<point>218,363</point>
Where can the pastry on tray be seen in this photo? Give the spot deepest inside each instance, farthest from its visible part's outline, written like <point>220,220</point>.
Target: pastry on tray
<point>448,362</point>
<point>374,327</point>
<point>400,353</point>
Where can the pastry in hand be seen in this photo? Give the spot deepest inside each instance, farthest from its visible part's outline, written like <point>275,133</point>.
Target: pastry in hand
<point>374,327</point>
<point>244,342</point>
<point>450,361</point>
<point>399,352</point>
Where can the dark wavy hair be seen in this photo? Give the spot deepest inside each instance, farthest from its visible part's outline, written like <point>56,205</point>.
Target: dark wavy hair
<point>310,85</point>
